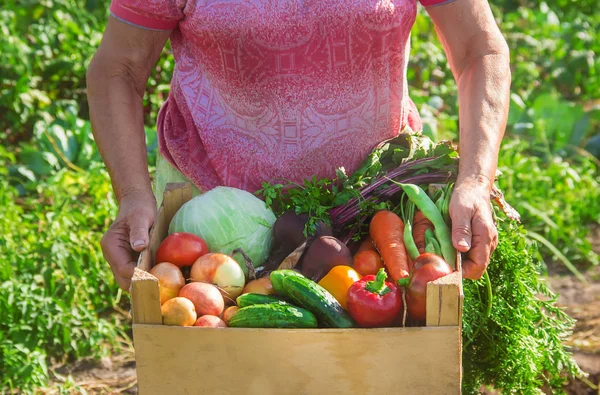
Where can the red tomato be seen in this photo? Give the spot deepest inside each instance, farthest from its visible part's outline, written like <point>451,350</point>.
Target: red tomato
<point>427,267</point>
<point>426,258</point>
<point>181,249</point>
<point>367,262</point>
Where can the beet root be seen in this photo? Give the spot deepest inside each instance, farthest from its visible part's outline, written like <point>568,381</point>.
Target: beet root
<point>288,234</point>
<point>289,229</point>
<point>322,255</point>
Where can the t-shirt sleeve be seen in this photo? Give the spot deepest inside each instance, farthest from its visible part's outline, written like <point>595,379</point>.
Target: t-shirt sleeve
<point>429,3</point>
<point>149,14</point>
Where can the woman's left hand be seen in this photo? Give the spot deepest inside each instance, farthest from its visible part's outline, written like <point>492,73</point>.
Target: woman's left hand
<point>473,228</point>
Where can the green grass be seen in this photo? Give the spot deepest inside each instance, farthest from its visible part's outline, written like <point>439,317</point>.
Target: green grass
<point>557,198</point>
<point>57,295</point>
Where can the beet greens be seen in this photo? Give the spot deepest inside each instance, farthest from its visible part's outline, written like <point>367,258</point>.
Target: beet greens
<point>347,201</point>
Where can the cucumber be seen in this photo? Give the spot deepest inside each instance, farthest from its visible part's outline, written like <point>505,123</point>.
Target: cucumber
<point>249,299</point>
<point>277,277</point>
<point>310,295</point>
<point>273,315</point>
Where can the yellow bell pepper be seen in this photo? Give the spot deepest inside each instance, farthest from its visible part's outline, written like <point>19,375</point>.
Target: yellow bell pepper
<point>338,281</point>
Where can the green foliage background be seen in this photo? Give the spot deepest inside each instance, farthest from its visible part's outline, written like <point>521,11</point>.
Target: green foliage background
<point>58,301</point>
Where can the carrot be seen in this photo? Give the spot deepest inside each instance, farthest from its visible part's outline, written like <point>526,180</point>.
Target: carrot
<point>420,225</point>
<point>366,245</point>
<point>387,232</point>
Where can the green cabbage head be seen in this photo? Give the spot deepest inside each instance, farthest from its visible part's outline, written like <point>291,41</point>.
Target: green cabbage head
<point>228,218</point>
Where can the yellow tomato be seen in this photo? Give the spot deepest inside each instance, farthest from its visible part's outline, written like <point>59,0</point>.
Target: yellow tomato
<point>338,281</point>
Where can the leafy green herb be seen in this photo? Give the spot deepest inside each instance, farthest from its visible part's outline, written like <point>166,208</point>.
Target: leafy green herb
<point>273,196</point>
<point>348,200</point>
<point>314,197</point>
<point>513,332</point>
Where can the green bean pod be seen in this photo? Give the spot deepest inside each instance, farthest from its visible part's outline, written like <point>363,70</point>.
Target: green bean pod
<point>431,212</point>
<point>429,248</point>
<point>407,212</point>
<point>437,249</point>
<point>409,241</point>
<point>439,203</point>
<point>428,233</point>
<point>446,206</point>
<point>432,245</point>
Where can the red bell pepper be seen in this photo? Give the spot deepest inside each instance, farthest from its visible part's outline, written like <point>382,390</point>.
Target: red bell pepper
<point>373,302</point>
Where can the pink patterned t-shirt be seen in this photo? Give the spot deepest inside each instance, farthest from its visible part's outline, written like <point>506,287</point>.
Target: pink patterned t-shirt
<point>266,89</point>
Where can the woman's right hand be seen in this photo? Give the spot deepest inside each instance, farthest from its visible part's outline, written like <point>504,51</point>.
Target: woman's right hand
<point>129,234</point>
<point>116,81</point>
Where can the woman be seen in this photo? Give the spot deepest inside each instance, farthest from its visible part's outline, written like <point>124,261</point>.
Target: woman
<point>287,88</point>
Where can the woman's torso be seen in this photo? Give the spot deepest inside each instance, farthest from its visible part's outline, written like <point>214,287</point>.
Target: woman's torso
<point>284,89</point>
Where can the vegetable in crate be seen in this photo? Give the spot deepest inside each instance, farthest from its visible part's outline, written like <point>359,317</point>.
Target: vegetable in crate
<point>260,286</point>
<point>387,232</point>
<point>367,262</point>
<point>407,212</point>
<point>323,254</point>
<point>420,198</point>
<point>206,298</point>
<point>228,218</point>
<point>273,315</point>
<point>179,312</point>
<point>181,249</point>
<point>221,270</point>
<point>419,227</point>
<point>230,312</point>
<point>170,280</point>
<point>210,321</point>
<point>277,277</point>
<point>409,158</point>
<point>432,245</point>
<point>374,302</point>
<point>249,299</point>
<point>310,295</point>
<point>366,245</point>
<point>427,267</point>
<point>338,281</point>
<point>289,234</point>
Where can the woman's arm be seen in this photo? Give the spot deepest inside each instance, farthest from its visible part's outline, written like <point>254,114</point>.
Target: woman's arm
<point>116,81</point>
<point>479,58</point>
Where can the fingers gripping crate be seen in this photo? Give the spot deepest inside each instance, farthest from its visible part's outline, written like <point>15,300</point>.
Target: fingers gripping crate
<point>189,360</point>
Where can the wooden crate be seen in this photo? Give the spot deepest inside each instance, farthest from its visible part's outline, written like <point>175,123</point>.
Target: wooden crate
<point>186,360</point>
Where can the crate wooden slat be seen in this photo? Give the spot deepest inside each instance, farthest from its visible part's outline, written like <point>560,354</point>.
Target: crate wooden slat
<point>187,360</point>
<point>178,360</point>
<point>444,300</point>
<point>144,297</point>
<point>175,196</point>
